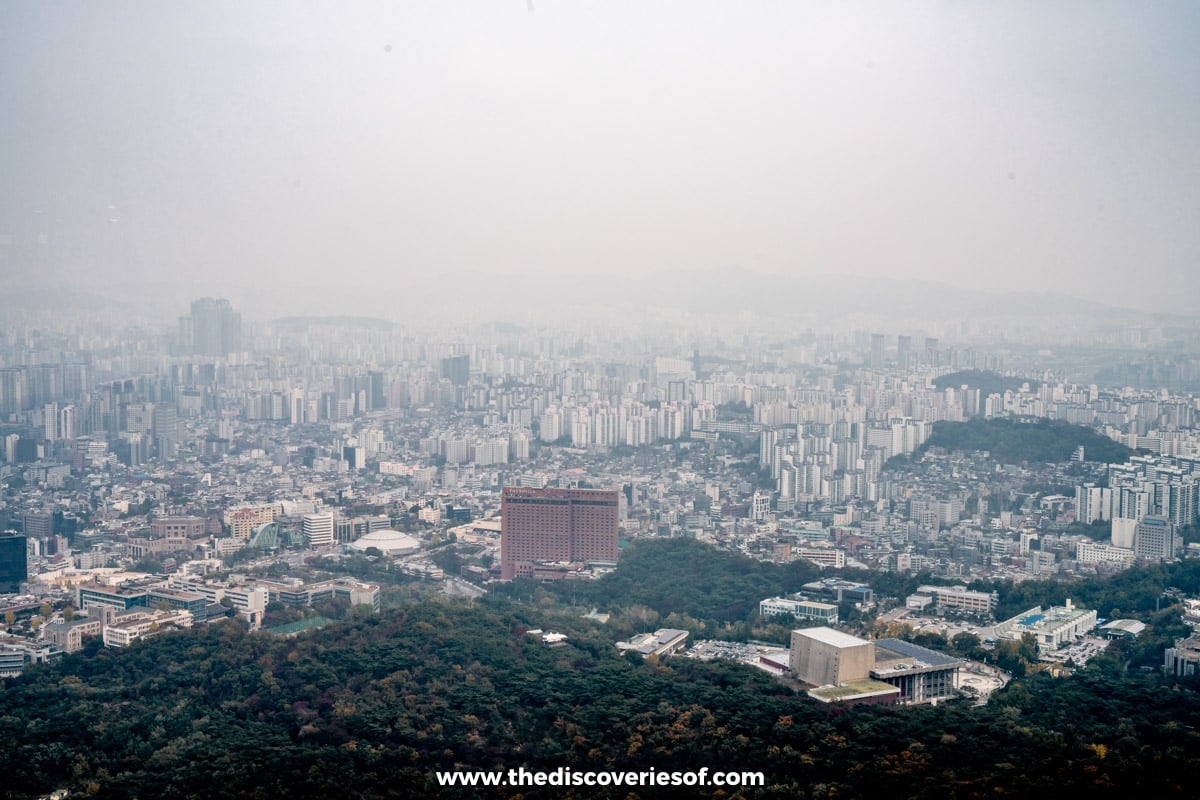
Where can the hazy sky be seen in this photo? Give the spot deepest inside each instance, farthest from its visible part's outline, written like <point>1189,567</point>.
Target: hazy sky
<point>255,147</point>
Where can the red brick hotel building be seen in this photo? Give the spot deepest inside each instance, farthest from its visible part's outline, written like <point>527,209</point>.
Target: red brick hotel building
<point>549,525</point>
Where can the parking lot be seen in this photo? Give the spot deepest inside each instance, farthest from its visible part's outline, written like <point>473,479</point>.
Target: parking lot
<point>1080,653</point>
<point>947,627</point>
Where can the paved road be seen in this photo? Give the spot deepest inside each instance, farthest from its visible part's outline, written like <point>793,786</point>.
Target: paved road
<point>456,587</point>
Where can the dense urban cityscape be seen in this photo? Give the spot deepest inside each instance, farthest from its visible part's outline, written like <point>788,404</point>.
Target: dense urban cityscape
<point>570,400</point>
<point>228,468</point>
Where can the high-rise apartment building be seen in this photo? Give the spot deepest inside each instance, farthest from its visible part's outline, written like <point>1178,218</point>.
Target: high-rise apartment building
<point>66,422</point>
<point>554,525</point>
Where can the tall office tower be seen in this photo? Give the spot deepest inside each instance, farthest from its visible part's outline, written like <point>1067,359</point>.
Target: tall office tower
<point>375,383</point>
<point>39,524</point>
<point>166,431</point>
<point>14,562</point>
<point>457,369</point>
<point>903,348</point>
<point>547,525</point>
<point>216,329</point>
<point>876,350</point>
<point>1154,538</point>
<point>932,356</point>
<point>318,529</point>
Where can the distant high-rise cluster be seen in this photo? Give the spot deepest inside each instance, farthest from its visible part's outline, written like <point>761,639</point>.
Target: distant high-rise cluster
<point>212,329</point>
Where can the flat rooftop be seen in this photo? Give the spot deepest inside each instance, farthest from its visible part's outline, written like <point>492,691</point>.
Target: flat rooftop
<point>920,655</point>
<point>852,690</point>
<point>832,637</point>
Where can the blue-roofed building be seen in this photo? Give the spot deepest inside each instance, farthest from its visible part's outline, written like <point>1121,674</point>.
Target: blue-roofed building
<point>1053,628</point>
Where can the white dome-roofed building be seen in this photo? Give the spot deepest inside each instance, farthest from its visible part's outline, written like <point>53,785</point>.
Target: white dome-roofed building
<point>388,542</point>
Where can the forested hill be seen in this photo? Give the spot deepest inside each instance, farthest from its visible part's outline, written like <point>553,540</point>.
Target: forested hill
<point>371,707</point>
<point>683,576</point>
<point>985,381</point>
<point>1011,441</point>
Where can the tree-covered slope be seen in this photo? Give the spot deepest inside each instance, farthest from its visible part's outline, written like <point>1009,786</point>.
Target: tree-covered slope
<point>1010,441</point>
<point>371,707</point>
<point>689,577</point>
<point>986,381</point>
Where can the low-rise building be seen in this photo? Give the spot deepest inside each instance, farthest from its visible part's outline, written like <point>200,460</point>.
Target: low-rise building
<point>823,613</point>
<point>250,601</point>
<point>1183,660</point>
<point>922,675</point>
<point>141,547</point>
<point>961,599</point>
<point>821,556</point>
<point>864,691</point>
<point>16,652</point>
<point>1098,553</point>
<point>69,636</point>
<point>296,593</point>
<point>663,641</point>
<point>1122,629</point>
<point>837,590</point>
<point>154,594</point>
<point>127,628</point>
<point>1053,628</point>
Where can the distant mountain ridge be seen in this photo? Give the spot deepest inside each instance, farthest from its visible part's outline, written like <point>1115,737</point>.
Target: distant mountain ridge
<point>714,290</point>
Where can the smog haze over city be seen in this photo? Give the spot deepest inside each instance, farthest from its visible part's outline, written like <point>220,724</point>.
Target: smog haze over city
<point>307,157</point>
<point>599,399</point>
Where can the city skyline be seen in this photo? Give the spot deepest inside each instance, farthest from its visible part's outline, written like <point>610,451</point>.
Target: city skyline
<point>395,484</point>
<point>412,396</point>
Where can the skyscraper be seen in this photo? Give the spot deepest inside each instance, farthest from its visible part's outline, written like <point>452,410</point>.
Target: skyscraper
<point>166,430</point>
<point>546,525</point>
<point>457,369</point>
<point>876,360</point>
<point>903,348</point>
<point>14,560</point>
<point>932,354</point>
<point>214,328</point>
